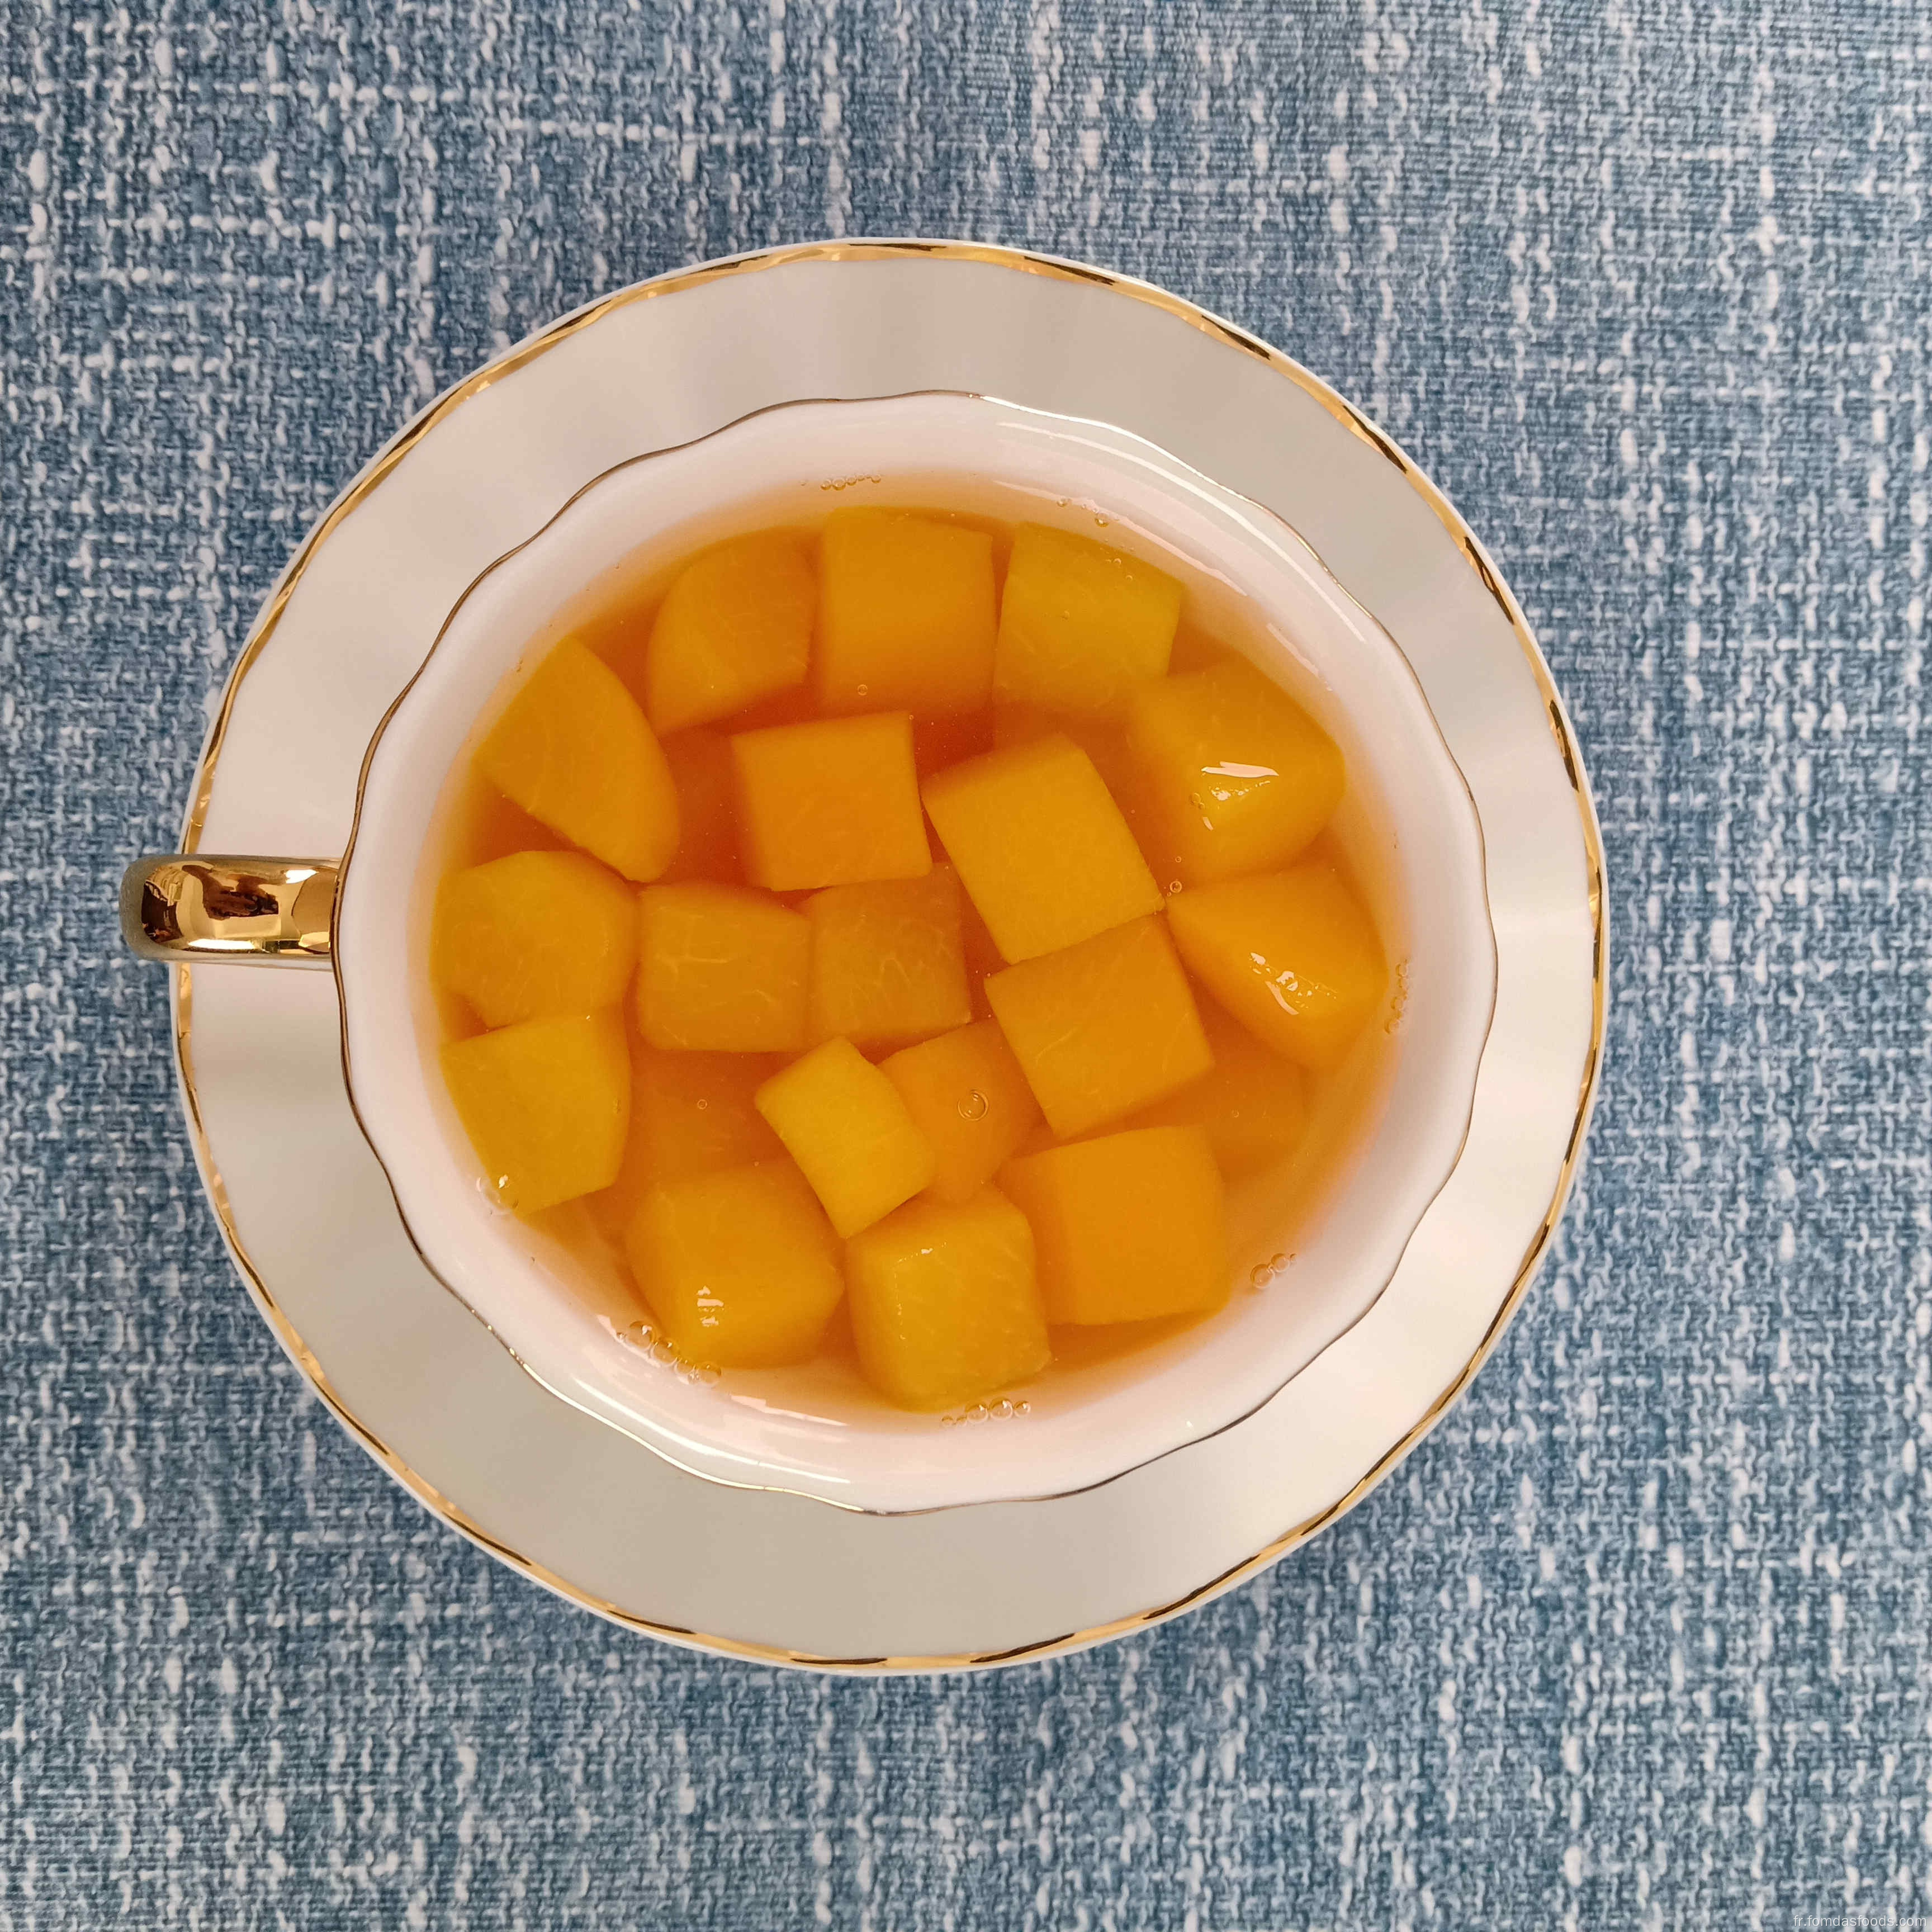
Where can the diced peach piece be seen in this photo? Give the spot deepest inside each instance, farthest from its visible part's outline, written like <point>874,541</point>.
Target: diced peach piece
<point>735,626</point>
<point>1126,1227</point>
<point>843,1121</point>
<point>545,1104</point>
<point>1292,955</point>
<point>575,750</point>
<point>832,803</point>
<point>966,1094</point>
<point>1233,775</point>
<point>887,964</point>
<point>690,1113</point>
<point>537,932</point>
<point>945,1306</point>
<point>1080,625</point>
<point>1102,1027</point>
<point>739,1267</point>
<point>1041,846</point>
<point>1252,1105</point>
<point>707,845</point>
<point>906,614</point>
<point>721,969</point>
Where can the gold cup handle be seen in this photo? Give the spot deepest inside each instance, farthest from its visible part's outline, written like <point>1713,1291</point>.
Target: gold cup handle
<point>183,906</point>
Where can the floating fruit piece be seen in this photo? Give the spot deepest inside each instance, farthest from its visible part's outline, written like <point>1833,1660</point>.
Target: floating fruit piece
<point>534,933</point>
<point>831,803</point>
<point>723,969</point>
<point>906,615</point>
<point>945,1306</point>
<point>887,962</point>
<point>1125,1227</point>
<point>575,750</point>
<point>545,1104</point>
<point>1232,775</point>
<point>1040,845</point>
<point>843,1121</point>
<point>740,1267</point>
<point>1292,955</point>
<point>1102,1027</point>
<point>735,626</point>
<point>1080,625</point>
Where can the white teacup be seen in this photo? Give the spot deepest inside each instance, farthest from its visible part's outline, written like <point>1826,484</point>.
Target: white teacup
<point>574,1322</point>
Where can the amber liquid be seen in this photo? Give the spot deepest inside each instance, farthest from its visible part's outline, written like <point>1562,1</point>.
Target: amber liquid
<point>1267,1212</point>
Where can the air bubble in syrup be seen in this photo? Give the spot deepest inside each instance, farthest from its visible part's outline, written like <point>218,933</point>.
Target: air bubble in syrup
<point>973,1107</point>
<point>1259,1276</point>
<point>1278,1263</point>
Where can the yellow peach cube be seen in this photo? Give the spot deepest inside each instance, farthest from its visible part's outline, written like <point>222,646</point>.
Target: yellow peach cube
<point>843,1121</point>
<point>966,1094</point>
<point>740,1267</point>
<point>1292,955</point>
<point>1080,625</point>
<point>721,969</point>
<point>833,803</point>
<point>707,844</point>
<point>887,961</point>
<point>537,932</point>
<point>1233,775</point>
<point>945,1306</point>
<point>1102,1027</point>
<point>545,1104</point>
<point>1040,845</point>
<point>735,626</point>
<point>905,613</point>
<point>576,752</point>
<point>1252,1105</point>
<point>1126,1227</point>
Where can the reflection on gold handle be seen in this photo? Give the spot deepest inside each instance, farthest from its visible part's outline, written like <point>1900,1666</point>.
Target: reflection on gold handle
<point>260,912</point>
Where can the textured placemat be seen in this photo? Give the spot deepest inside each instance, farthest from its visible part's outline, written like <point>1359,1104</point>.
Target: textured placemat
<point>1640,1636</point>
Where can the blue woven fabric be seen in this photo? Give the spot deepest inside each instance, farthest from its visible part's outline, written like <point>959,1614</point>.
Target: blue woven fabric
<point>1640,1636</point>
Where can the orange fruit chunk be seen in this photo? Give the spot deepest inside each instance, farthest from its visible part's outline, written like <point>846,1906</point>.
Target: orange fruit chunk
<point>721,968</point>
<point>1080,625</point>
<point>1126,1227</point>
<point>735,626</point>
<point>1040,845</point>
<point>966,1094</point>
<point>945,1306</point>
<point>832,803</point>
<point>536,932</point>
<point>1233,776</point>
<point>739,1267</point>
<point>887,961</point>
<point>1292,955</point>
<point>906,616</point>
<point>1102,1027</point>
<point>545,1104</point>
<point>575,750</point>
<point>843,1121</point>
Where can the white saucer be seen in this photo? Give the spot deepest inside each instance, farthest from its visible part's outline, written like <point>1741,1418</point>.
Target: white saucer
<point>431,1393</point>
